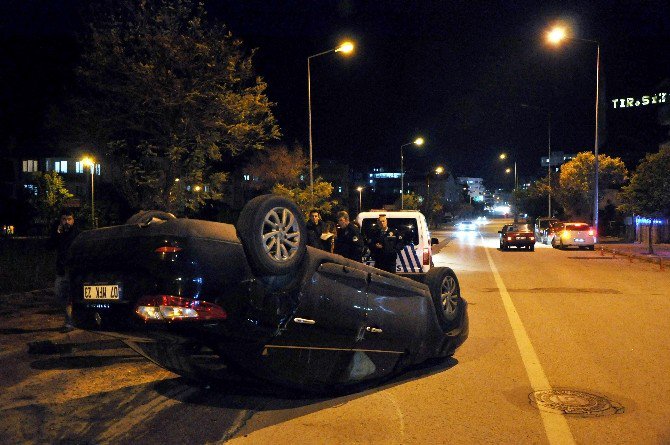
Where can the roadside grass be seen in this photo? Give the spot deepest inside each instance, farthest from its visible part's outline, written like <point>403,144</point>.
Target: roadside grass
<point>26,264</point>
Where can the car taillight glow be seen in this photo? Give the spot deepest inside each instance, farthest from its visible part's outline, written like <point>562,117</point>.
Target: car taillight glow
<point>592,232</point>
<point>509,238</point>
<point>168,249</point>
<point>170,308</point>
<point>426,256</point>
<point>565,234</point>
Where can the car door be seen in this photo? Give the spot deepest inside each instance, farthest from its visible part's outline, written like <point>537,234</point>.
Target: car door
<point>316,346</point>
<point>395,323</point>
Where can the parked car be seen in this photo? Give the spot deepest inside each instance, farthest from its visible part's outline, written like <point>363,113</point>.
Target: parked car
<point>416,256</point>
<point>550,232</point>
<point>204,299</point>
<point>466,226</point>
<point>575,234</point>
<point>517,235</point>
<point>542,224</point>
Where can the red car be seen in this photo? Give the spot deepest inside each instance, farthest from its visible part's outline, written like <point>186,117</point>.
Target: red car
<point>518,235</point>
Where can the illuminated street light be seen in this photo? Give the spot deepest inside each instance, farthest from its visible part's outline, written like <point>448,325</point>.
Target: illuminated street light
<point>197,188</point>
<point>418,142</point>
<point>438,171</point>
<point>344,48</point>
<point>90,162</point>
<point>555,36</point>
<point>360,198</point>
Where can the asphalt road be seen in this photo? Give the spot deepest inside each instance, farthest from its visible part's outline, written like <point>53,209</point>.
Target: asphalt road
<point>565,347</point>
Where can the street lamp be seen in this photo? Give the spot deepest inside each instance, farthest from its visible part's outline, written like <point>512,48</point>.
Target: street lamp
<point>91,164</point>
<point>438,171</point>
<point>555,36</point>
<point>344,48</point>
<point>548,149</point>
<point>360,198</point>
<point>503,156</point>
<point>418,142</point>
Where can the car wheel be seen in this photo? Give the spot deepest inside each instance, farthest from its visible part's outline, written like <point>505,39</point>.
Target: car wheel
<point>592,247</point>
<point>145,217</point>
<point>273,234</point>
<point>532,248</point>
<point>446,294</point>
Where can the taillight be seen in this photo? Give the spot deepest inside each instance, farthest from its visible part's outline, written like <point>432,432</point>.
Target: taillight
<point>171,308</point>
<point>168,249</point>
<point>592,232</point>
<point>426,256</point>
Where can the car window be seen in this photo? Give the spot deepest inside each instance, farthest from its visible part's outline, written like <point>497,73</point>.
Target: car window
<point>405,226</point>
<point>577,227</point>
<point>466,222</point>
<point>520,228</point>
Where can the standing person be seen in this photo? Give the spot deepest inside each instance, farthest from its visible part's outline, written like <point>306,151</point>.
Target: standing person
<point>328,236</point>
<point>62,236</point>
<point>349,242</point>
<point>383,244</point>
<point>315,228</point>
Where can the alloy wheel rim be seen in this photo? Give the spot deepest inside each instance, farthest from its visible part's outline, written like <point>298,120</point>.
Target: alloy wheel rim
<point>449,295</point>
<point>280,234</point>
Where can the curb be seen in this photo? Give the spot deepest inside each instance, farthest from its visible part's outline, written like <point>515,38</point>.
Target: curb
<point>654,259</point>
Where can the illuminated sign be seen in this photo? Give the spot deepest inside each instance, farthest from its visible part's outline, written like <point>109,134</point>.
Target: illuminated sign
<point>385,175</point>
<point>647,221</point>
<point>632,102</point>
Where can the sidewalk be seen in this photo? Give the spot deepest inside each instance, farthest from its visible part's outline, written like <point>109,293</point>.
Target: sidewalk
<point>636,250</point>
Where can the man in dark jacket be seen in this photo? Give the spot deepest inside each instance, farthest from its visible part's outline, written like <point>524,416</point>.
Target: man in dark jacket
<point>383,244</point>
<point>62,236</point>
<point>349,242</point>
<point>315,229</point>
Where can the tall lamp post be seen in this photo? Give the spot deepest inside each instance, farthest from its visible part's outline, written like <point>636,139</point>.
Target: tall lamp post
<point>91,164</point>
<point>418,142</point>
<point>360,198</point>
<point>438,171</point>
<point>548,113</point>
<point>344,48</point>
<point>503,156</point>
<point>556,36</point>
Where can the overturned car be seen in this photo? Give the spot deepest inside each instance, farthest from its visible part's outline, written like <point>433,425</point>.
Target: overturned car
<point>201,298</point>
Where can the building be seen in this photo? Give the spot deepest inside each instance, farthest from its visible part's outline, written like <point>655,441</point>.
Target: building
<point>475,187</point>
<point>558,158</point>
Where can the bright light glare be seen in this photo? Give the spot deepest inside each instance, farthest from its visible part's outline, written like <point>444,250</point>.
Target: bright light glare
<point>88,161</point>
<point>508,170</point>
<point>345,48</point>
<point>503,156</point>
<point>439,170</point>
<point>556,35</point>
<point>501,209</point>
<point>360,189</point>
<point>419,141</point>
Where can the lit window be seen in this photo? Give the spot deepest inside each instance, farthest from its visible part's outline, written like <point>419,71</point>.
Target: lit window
<point>30,166</point>
<point>78,167</point>
<point>97,169</point>
<point>247,177</point>
<point>60,166</point>
<point>339,190</point>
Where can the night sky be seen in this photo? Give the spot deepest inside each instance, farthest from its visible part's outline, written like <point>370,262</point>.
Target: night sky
<point>452,72</point>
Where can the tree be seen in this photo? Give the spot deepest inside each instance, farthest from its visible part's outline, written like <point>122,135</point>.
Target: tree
<point>412,201</point>
<point>648,192</point>
<point>51,196</point>
<point>171,97</point>
<point>277,165</point>
<point>576,181</point>
<point>302,196</point>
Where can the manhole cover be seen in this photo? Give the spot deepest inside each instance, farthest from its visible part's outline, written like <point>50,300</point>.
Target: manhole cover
<point>574,403</point>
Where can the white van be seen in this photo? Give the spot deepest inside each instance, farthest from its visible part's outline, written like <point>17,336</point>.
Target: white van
<point>416,257</point>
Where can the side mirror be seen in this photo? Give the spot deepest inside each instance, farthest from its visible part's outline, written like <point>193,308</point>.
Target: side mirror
<point>434,241</point>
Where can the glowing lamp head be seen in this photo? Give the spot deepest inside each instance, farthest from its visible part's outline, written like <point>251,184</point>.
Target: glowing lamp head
<point>88,162</point>
<point>556,35</point>
<point>503,156</point>
<point>197,188</point>
<point>360,189</point>
<point>508,170</point>
<point>345,48</point>
<point>439,170</point>
<point>419,141</point>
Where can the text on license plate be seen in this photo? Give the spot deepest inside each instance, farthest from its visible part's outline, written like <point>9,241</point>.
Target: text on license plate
<point>101,292</point>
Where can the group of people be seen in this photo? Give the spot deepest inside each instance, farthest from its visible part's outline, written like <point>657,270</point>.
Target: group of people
<point>345,239</point>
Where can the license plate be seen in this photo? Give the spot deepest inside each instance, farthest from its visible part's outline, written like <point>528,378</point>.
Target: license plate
<point>520,237</point>
<point>101,292</point>
<point>579,240</point>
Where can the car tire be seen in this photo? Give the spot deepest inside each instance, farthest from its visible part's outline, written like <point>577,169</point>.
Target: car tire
<point>532,248</point>
<point>144,217</point>
<point>592,247</point>
<point>446,294</point>
<point>273,234</point>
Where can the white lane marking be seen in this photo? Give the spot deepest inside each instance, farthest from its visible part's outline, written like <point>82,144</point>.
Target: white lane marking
<point>555,425</point>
